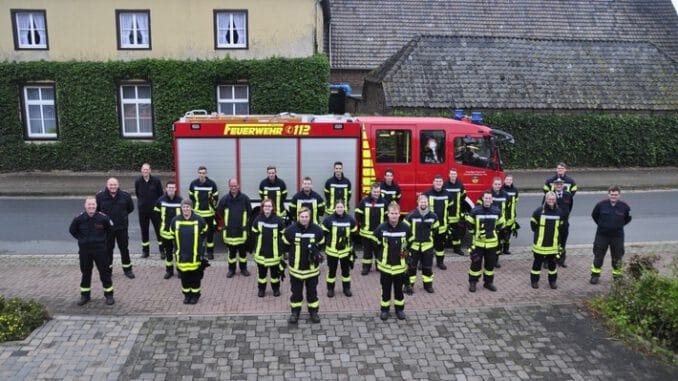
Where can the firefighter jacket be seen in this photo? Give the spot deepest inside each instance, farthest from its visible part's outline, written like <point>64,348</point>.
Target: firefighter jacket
<point>546,223</point>
<point>204,197</point>
<point>484,225</point>
<point>115,207</point>
<point>392,241</point>
<point>91,232</point>
<point>268,244</point>
<point>337,189</point>
<point>500,200</point>
<point>511,204</point>
<point>568,184</point>
<point>303,242</point>
<point>338,231</point>
<point>167,208</point>
<point>611,219</point>
<point>390,192</point>
<point>312,201</point>
<point>439,202</point>
<point>188,236</point>
<point>236,211</point>
<point>458,205</point>
<point>370,213</point>
<point>147,192</point>
<point>423,226</point>
<point>276,191</point>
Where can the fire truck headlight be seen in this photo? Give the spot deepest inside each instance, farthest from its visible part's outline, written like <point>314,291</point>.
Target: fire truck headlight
<point>338,126</point>
<point>195,126</point>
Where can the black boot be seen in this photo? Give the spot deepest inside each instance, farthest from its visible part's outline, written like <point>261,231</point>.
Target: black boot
<point>408,289</point>
<point>145,252</point>
<point>315,318</point>
<point>276,292</point>
<point>457,250</point>
<point>490,286</point>
<point>384,314</point>
<point>366,270</point>
<point>347,292</point>
<point>168,273</point>
<point>294,318</point>
<point>110,300</point>
<point>400,314</point>
<point>553,285</point>
<point>261,293</point>
<point>330,292</point>
<point>84,299</point>
<point>429,288</point>
<point>439,262</point>
<point>187,299</point>
<point>472,286</point>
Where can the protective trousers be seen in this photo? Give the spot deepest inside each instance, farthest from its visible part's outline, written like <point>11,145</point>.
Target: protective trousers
<point>426,259</point>
<point>144,218</point>
<point>190,282</point>
<point>237,254</point>
<point>395,282</point>
<point>439,246</point>
<point>332,264</point>
<point>537,264</point>
<point>369,249</point>
<point>456,232</point>
<point>600,245</point>
<point>261,276</point>
<point>209,235</point>
<point>167,250</point>
<point>87,261</point>
<point>564,232</point>
<point>122,238</point>
<point>478,256</point>
<point>296,300</point>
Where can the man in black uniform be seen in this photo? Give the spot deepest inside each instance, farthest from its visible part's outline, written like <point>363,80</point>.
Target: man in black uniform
<point>91,229</point>
<point>568,182</point>
<point>337,187</point>
<point>274,189</point>
<point>308,198</point>
<point>456,228</point>
<point>500,199</point>
<point>564,201</point>
<point>167,207</point>
<point>188,229</point>
<point>117,205</point>
<point>370,213</point>
<point>423,222</point>
<point>390,190</point>
<point>611,216</point>
<point>484,222</point>
<point>148,189</point>
<point>236,210</point>
<point>439,200</point>
<point>204,195</point>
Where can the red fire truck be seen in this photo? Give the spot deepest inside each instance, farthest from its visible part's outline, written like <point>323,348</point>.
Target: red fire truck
<point>416,148</point>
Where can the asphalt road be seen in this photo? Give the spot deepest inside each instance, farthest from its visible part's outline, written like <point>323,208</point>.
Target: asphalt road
<point>40,225</point>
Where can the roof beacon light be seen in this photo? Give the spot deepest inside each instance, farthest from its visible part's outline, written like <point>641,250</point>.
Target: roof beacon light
<point>477,117</point>
<point>459,114</point>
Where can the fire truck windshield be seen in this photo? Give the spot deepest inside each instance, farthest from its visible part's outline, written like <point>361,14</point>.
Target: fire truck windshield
<point>475,152</point>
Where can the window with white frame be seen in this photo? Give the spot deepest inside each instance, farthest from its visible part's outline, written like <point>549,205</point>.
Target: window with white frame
<point>40,112</point>
<point>230,29</point>
<point>233,99</point>
<point>134,29</point>
<point>30,29</point>
<point>137,114</point>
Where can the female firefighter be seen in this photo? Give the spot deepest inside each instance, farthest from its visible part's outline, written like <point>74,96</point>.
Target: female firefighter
<point>546,223</point>
<point>188,230</point>
<point>339,228</point>
<point>268,229</point>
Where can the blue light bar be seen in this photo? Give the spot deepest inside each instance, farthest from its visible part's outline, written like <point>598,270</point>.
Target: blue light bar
<point>459,114</point>
<point>477,117</point>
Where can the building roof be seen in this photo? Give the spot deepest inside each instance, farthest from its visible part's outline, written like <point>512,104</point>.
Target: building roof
<point>365,33</point>
<point>521,73</point>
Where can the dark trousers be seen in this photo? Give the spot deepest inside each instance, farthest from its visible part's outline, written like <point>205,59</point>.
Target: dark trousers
<point>87,261</point>
<point>456,232</point>
<point>122,238</point>
<point>237,254</point>
<point>167,251</point>
<point>426,259</point>
<point>144,219</point>
<point>297,298</point>
<point>600,245</point>
<point>332,264</point>
<point>537,264</point>
<point>439,245</point>
<point>190,282</point>
<point>209,235</point>
<point>505,238</point>
<point>395,282</point>
<point>562,238</point>
<point>261,276</point>
<point>478,256</point>
<point>369,250</point>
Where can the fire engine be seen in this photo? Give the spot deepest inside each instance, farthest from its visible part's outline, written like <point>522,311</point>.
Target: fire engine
<point>416,148</point>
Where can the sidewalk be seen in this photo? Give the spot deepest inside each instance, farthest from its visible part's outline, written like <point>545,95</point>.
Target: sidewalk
<point>67,183</point>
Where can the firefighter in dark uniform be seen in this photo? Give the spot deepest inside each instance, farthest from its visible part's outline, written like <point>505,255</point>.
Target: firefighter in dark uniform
<point>167,207</point>
<point>392,237</point>
<point>304,240</point>
<point>337,187</point>
<point>484,223</point>
<point>148,190</point>
<point>511,226</point>
<point>307,198</point>
<point>204,195</point>
<point>273,188</point>
<point>117,205</point>
<point>546,223</point>
<point>439,200</point>
<point>390,190</point>
<point>188,230</point>
<point>611,216</point>
<point>339,228</point>
<point>423,222</point>
<point>235,209</point>
<point>568,182</point>
<point>370,213</point>
<point>456,228</point>
<point>267,232</point>
<point>500,200</point>
<point>91,229</point>
<point>564,201</point>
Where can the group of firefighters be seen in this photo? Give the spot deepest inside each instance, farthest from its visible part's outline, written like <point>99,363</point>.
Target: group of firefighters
<point>295,238</point>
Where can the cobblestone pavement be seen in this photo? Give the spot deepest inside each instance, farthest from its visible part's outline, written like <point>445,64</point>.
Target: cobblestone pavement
<point>515,333</point>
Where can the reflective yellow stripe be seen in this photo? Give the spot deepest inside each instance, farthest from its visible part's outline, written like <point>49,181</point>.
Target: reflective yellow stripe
<point>315,304</point>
